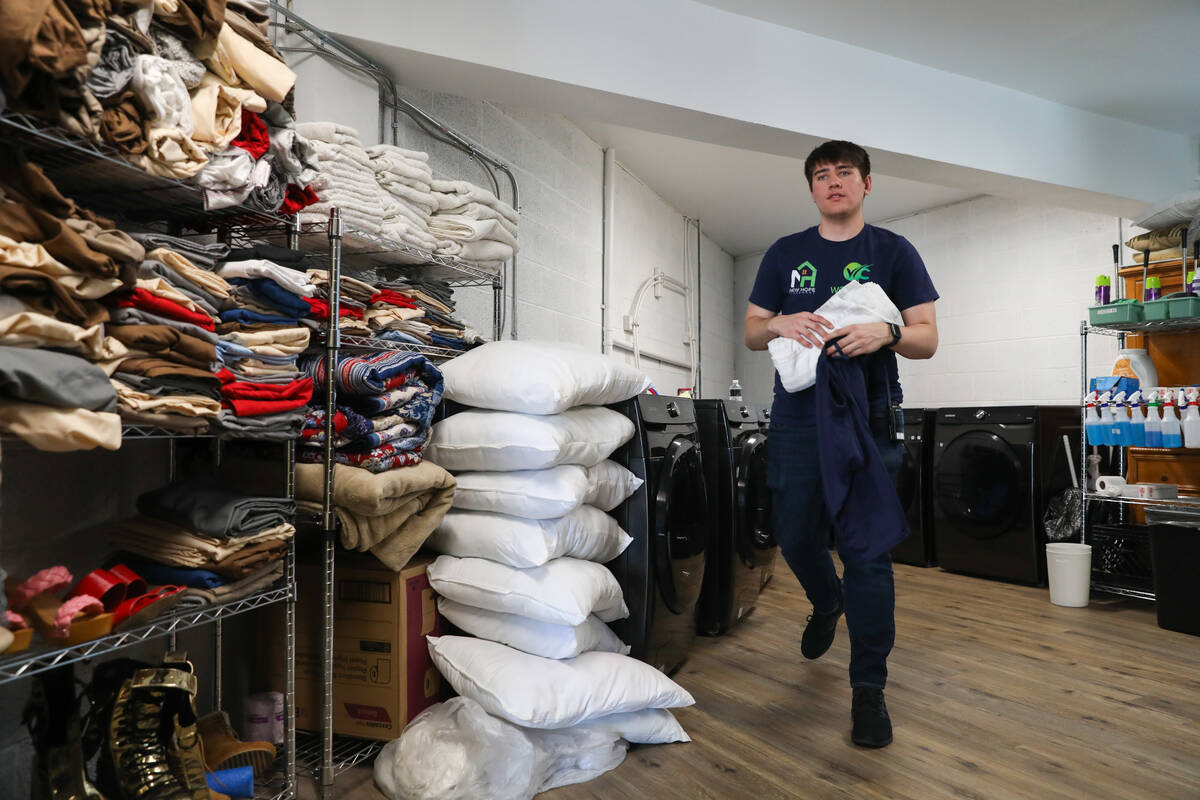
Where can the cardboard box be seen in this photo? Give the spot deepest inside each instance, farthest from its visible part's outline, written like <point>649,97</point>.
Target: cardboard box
<point>382,673</point>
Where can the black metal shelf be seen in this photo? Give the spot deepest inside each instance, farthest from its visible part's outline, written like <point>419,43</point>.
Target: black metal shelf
<point>100,178</point>
<point>22,665</point>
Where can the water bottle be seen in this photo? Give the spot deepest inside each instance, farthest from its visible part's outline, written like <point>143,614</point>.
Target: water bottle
<point>1172,433</point>
<point>1092,424</point>
<point>1191,420</point>
<point>735,391</point>
<point>1153,422</point>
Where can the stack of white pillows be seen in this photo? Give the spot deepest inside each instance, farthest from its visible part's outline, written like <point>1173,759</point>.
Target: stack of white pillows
<point>525,544</point>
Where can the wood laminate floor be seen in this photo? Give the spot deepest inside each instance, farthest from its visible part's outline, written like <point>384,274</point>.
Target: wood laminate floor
<point>994,693</point>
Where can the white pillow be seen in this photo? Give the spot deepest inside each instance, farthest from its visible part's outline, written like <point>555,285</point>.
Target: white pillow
<point>652,726</point>
<point>533,636</point>
<point>538,377</point>
<point>563,591</point>
<point>533,494</point>
<point>609,485</point>
<point>586,533</point>
<point>504,441</point>
<point>1180,208</point>
<point>543,693</point>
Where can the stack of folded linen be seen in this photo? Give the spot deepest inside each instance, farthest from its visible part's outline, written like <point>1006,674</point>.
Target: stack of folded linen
<point>345,178</point>
<point>407,179</point>
<point>56,401</point>
<point>475,224</point>
<point>200,534</point>
<point>354,297</point>
<point>430,323</point>
<point>386,405</point>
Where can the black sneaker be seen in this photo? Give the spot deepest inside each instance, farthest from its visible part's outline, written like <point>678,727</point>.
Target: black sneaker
<point>819,632</point>
<point>872,725</point>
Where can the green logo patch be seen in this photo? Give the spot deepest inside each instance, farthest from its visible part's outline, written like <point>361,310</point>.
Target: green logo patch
<point>855,271</point>
<point>804,276</point>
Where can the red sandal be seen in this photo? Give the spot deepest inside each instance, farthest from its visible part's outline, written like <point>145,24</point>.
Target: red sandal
<point>140,610</point>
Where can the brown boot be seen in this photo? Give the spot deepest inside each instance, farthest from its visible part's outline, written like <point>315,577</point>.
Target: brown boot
<point>224,750</point>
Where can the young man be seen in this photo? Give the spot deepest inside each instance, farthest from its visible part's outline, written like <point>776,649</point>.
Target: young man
<point>797,275</point>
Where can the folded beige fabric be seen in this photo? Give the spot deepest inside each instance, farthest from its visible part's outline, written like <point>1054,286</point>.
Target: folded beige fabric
<point>59,430</point>
<point>268,76</point>
<point>277,342</point>
<point>479,211</point>
<point>482,250</point>
<point>22,326</point>
<point>216,115</point>
<point>171,544</point>
<point>1166,254</point>
<point>34,256</point>
<point>247,586</point>
<point>387,316</point>
<point>247,97</point>
<point>176,422</point>
<point>110,241</point>
<point>203,278</point>
<point>160,288</point>
<point>465,229</point>
<point>186,405</point>
<point>254,368</point>
<point>391,514</point>
<point>171,153</point>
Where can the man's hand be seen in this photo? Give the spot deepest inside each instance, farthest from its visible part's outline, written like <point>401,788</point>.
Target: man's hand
<point>861,339</point>
<point>805,327</point>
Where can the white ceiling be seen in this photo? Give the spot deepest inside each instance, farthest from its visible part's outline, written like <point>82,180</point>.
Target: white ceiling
<point>745,199</point>
<point>1130,60</point>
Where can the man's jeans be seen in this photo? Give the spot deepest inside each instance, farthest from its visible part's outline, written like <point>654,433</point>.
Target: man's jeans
<point>802,529</point>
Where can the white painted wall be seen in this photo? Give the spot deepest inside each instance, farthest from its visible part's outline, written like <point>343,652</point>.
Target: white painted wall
<point>753,368</point>
<point>1015,279</point>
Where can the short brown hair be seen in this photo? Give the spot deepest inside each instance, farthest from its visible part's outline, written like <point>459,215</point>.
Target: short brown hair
<point>837,152</point>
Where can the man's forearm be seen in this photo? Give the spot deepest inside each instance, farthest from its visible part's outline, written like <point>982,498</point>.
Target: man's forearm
<point>758,332</point>
<point>918,341</point>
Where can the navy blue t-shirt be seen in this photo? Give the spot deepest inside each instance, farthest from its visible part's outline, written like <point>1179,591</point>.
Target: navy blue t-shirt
<point>800,272</point>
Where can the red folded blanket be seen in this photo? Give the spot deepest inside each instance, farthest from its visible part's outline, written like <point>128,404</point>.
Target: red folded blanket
<point>253,399</point>
<point>147,301</point>
<point>320,309</point>
<point>392,299</point>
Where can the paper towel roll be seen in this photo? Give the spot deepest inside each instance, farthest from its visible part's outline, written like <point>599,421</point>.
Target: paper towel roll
<point>1110,485</point>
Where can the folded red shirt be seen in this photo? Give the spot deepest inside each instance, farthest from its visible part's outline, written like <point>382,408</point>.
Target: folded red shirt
<point>296,199</point>
<point>320,309</point>
<point>253,399</point>
<point>392,299</point>
<point>254,138</point>
<point>148,301</point>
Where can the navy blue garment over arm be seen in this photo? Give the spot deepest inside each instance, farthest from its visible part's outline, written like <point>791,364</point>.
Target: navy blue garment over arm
<point>859,493</point>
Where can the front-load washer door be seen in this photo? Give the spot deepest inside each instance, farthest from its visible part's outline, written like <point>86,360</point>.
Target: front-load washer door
<point>681,521</point>
<point>981,485</point>
<point>754,536</point>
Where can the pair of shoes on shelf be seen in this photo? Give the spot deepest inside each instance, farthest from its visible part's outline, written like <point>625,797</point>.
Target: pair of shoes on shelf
<point>52,717</point>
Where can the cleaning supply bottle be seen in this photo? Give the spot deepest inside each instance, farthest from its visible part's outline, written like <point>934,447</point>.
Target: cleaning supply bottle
<point>1172,434</point>
<point>1118,421</point>
<point>1137,420</point>
<point>1092,424</point>
<point>1153,289</point>
<point>1191,420</point>
<point>1103,290</point>
<point>1105,421</point>
<point>735,390</point>
<point>1153,421</point>
<point>1134,362</point>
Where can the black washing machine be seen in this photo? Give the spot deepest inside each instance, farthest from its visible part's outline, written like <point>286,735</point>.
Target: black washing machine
<point>994,470</point>
<point>733,438</point>
<point>662,570</point>
<point>914,485</point>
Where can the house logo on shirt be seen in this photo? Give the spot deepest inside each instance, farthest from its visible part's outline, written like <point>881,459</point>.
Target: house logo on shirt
<point>855,271</point>
<point>804,279</point>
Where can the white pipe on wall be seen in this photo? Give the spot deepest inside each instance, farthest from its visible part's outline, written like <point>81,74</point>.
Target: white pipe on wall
<point>606,248</point>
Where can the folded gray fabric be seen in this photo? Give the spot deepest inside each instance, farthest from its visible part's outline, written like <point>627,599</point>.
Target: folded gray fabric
<point>175,422</point>
<point>207,507</point>
<point>170,385</point>
<point>151,268</point>
<point>270,427</point>
<point>268,198</point>
<point>115,68</point>
<point>202,255</point>
<point>136,316</point>
<point>54,379</point>
<point>274,377</point>
<point>171,47</point>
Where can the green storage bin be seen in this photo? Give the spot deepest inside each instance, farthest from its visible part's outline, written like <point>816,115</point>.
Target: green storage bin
<point>1185,307</point>
<point>1114,313</point>
<point>1155,309</point>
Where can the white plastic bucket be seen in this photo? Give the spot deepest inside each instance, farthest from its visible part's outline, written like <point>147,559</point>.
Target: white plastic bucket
<point>1070,570</point>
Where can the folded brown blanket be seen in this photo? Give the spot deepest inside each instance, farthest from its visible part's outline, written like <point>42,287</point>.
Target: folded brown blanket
<point>255,582</point>
<point>391,513</point>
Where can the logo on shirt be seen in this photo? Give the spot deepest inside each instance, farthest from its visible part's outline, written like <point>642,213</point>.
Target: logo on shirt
<point>804,279</point>
<point>855,271</point>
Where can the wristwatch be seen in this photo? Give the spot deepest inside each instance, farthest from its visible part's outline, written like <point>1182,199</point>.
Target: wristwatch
<point>895,329</point>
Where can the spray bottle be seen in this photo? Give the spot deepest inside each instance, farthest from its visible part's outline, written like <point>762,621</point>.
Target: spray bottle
<point>1105,429</point>
<point>1153,421</point>
<point>1172,434</point>
<point>1137,420</point>
<point>1191,420</point>
<point>1118,421</point>
<point>1092,424</point>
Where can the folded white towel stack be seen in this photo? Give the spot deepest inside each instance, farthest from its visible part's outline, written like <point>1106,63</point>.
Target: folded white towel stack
<point>345,179</point>
<point>473,223</point>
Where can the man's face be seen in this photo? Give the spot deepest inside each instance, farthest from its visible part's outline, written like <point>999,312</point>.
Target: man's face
<point>839,189</point>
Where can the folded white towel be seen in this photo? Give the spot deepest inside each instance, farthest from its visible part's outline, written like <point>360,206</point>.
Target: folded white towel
<point>393,150</point>
<point>342,153</point>
<point>359,218</point>
<point>415,216</point>
<point>416,170</point>
<point>479,211</point>
<point>161,90</point>
<point>452,194</point>
<point>482,250</point>
<point>387,178</point>
<point>465,229</point>
<point>398,230</point>
<point>292,280</point>
<point>412,196</point>
<point>327,131</point>
<point>853,304</point>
